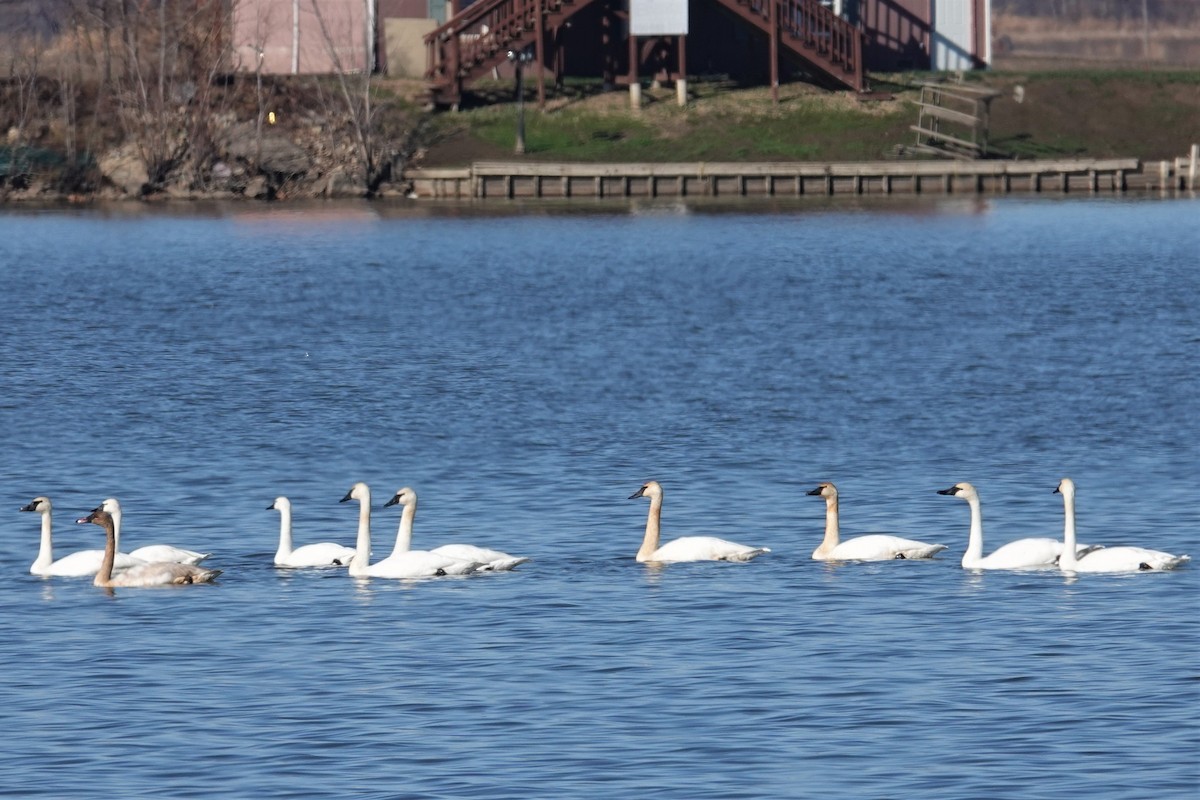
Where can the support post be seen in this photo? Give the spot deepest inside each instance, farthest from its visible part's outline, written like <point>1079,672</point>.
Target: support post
<point>540,52</point>
<point>773,18</point>
<point>635,85</point>
<point>681,83</point>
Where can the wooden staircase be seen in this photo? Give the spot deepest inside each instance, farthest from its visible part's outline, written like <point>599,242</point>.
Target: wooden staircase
<point>479,38</point>
<point>825,42</point>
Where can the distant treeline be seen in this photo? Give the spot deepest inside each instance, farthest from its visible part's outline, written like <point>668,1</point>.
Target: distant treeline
<point>1175,12</point>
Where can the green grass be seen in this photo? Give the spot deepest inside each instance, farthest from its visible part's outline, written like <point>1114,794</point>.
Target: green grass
<point>796,130</point>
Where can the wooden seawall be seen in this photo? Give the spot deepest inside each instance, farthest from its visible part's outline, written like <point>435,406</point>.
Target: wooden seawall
<point>506,180</point>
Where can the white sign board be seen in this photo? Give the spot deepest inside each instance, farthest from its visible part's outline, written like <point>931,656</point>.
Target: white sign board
<point>658,17</point>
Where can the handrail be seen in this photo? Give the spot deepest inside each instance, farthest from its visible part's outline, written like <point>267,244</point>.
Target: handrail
<point>816,27</point>
<point>476,33</point>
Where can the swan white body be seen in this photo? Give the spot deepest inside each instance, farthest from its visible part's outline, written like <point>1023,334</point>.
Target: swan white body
<point>1108,559</point>
<point>402,563</point>
<point>1031,553</point>
<point>163,573</point>
<point>320,554</point>
<point>156,553</point>
<point>488,560</point>
<point>872,547</point>
<point>80,564</point>
<point>686,548</point>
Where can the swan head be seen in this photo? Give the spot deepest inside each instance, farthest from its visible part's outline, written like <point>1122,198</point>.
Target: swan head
<point>98,517</point>
<point>38,504</point>
<point>1066,487</point>
<point>964,490</point>
<point>405,497</point>
<point>358,491</point>
<point>280,504</point>
<point>825,490</point>
<point>649,489</point>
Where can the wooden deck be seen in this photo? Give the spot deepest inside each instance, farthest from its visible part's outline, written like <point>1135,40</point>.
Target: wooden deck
<point>507,180</point>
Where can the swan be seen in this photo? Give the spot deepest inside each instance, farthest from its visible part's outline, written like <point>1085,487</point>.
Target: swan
<point>1108,559</point>
<point>402,563</point>
<point>79,564</point>
<point>321,554</point>
<point>152,552</point>
<point>1028,553</point>
<point>687,548</point>
<point>872,547</point>
<point>491,560</point>
<point>159,573</point>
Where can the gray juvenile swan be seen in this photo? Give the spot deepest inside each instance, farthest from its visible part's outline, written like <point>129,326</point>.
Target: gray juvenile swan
<point>872,547</point>
<point>162,573</point>
<point>152,552</point>
<point>82,563</point>
<point>491,560</point>
<point>687,548</point>
<point>1108,559</point>
<point>319,554</point>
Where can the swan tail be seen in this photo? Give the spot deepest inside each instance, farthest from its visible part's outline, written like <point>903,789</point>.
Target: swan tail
<point>929,551</point>
<point>503,564</point>
<point>747,554</point>
<point>205,576</point>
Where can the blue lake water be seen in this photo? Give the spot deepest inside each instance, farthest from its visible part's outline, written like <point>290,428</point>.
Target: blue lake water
<point>526,370</point>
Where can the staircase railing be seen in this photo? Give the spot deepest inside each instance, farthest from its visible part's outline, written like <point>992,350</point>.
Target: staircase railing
<point>479,35</point>
<point>814,32</point>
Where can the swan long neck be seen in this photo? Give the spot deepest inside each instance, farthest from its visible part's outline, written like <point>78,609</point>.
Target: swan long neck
<point>285,532</point>
<point>116,521</point>
<point>831,525</point>
<point>1067,559</point>
<point>653,529</point>
<point>405,531</point>
<point>45,556</point>
<point>362,547</point>
<point>975,540</point>
<point>104,576</point>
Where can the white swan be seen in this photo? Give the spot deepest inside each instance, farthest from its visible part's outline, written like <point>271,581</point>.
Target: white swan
<point>686,548</point>
<point>872,547</point>
<point>320,554</point>
<point>1031,553</point>
<point>403,564</point>
<point>151,552</point>
<point>162,573</point>
<point>79,564</point>
<point>491,560</point>
<point>1108,559</point>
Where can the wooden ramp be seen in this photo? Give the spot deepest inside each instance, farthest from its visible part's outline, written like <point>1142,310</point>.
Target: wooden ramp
<point>954,120</point>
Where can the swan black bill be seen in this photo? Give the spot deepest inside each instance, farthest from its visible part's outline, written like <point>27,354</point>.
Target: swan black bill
<point>639,493</point>
<point>395,499</point>
<point>951,490</point>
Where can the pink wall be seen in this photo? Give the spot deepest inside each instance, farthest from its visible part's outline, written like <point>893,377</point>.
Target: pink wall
<point>301,36</point>
<point>897,33</point>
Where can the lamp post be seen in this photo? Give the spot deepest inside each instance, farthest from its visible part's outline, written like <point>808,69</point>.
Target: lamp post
<point>520,58</point>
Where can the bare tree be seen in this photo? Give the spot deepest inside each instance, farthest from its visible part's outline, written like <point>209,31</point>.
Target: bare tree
<point>356,93</point>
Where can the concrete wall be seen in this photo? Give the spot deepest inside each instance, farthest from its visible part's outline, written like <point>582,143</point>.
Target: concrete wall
<point>406,54</point>
<point>302,36</point>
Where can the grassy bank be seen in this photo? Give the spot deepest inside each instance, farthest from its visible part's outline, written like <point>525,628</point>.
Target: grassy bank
<point>1148,115</point>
